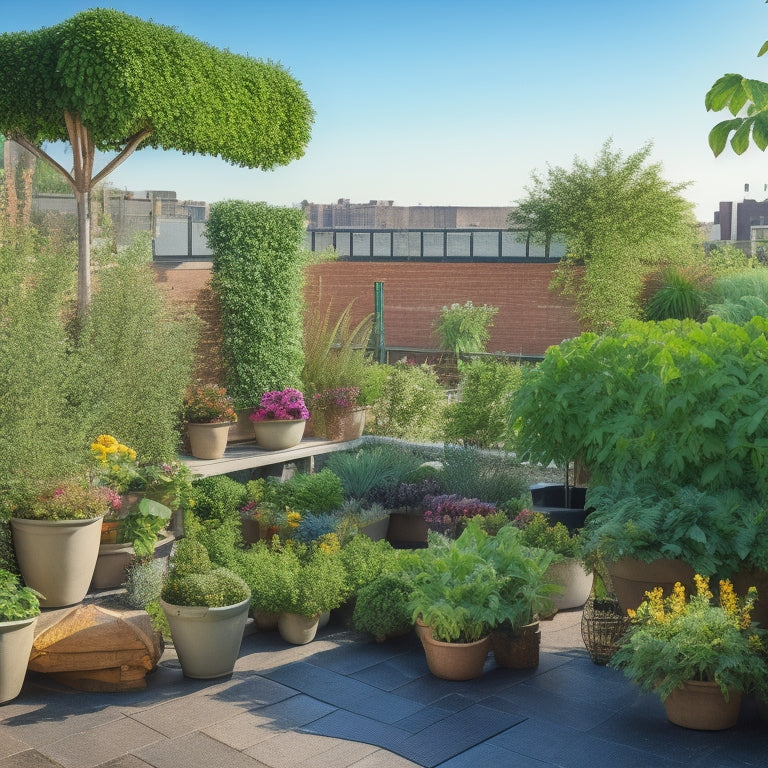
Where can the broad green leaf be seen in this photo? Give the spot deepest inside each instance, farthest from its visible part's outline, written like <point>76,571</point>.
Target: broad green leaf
<point>722,91</point>
<point>760,131</point>
<point>763,49</point>
<point>718,136</point>
<point>740,139</point>
<point>757,91</point>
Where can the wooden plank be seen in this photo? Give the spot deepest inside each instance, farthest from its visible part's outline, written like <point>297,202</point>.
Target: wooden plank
<point>248,455</point>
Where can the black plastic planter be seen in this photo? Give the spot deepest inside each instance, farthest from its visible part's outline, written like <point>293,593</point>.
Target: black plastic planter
<point>561,503</point>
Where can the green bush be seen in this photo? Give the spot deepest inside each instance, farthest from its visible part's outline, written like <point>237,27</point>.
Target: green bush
<point>411,404</point>
<point>270,574</point>
<point>317,492</point>
<point>364,560</point>
<point>218,498</point>
<point>135,358</point>
<point>381,607</point>
<point>258,279</point>
<point>479,418</point>
<point>738,296</point>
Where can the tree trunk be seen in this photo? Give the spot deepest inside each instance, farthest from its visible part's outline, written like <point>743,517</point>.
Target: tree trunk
<point>83,253</point>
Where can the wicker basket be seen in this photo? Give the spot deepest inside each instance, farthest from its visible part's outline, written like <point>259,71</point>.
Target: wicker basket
<point>602,626</point>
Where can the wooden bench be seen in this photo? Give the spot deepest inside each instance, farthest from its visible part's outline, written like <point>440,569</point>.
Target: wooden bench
<point>248,456</point>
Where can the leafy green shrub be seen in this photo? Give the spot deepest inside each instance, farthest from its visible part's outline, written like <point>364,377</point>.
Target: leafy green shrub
<point>367,468</point>
<point>535,531</point>
<point>218,498</point>
<point>479,418</point>
<point>17,602</point>
<point>676,400</point>
<point>364,560</point>
<point>318,492</point>
<point>193,581</point>
<point>411,404</point>
<point>463,329</point>
<point>381,607</point>
<point>143,582</point>
<point>258,278</point>
<point>135,357</point>
<point>271,575</point>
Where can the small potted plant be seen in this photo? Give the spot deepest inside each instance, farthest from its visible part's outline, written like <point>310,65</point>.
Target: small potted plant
<point>208,412</point>
<point>206,608</point>
<point>697,655</point>
<point>381,607</point>
<point>280,419</point>
<point>341,416</point>
<point>567,569</point>
<point>56,535</point>
<point>19,609</point>
<point>318,585</point>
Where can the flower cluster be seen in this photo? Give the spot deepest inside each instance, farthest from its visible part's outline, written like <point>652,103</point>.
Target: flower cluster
<point>68,500</point>
<point>281,405</point>
<point>116,465</point>
<point>206,404</point>
<point>338,398</point>
<point>447,513</point>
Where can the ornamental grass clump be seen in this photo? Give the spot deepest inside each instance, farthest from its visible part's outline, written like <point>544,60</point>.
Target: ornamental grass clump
<point>673,640</point>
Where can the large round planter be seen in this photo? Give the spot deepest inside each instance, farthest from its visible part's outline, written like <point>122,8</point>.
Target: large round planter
<point>519,650</point>
<point>208,441</point>
<point>207,640</point>
<point>455,661</point>
<point>279,435</point>
<point>576,583</point>
<point>111,564</point>
<point>632,578</point>
<point>702,706</point>
<point>297,629</point>
<point>57,557</point>
<point>354,423</point>
<point>16,638</point>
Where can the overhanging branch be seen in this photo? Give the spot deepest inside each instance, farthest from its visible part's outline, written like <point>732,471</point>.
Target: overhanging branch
<point>42,155</point>
<point>125,153</point>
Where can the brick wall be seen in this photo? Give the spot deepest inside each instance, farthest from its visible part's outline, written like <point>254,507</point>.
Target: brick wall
<point>530,317</point>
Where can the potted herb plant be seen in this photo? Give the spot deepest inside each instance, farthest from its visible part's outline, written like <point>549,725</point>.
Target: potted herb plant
<point>280,419</point>
<point>208,412</point>
<point>19,609</point>
<point>56,535</point>
<point>206,608</point>
<point>567,569</point>
<point>381,607</point>
<point>699,657</point>
<point>319,585</point>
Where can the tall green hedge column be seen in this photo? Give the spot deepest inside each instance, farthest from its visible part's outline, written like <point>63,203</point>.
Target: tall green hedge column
<point>258,277</point>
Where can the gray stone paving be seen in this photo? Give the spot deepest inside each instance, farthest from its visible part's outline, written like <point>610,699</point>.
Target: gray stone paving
<point>343,701</point>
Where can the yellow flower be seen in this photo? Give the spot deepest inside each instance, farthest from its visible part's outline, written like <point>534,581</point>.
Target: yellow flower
<point>293,519</point>
<point>728,601</point>
<point>676,601</point>
<point>702,586</point>
<point>329,543</point>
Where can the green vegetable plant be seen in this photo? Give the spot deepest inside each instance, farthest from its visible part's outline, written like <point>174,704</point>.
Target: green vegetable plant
<point>381,607</point>
<point>673,640</point>
<point>535,531</point>
<point>17,602</point>
<point>464,328</point>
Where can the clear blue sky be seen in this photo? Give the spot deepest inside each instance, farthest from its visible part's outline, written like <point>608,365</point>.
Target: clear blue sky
<point>456,103</point>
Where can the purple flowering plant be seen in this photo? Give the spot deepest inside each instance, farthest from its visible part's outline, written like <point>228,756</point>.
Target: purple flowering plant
<point>281,405</point>
<point>447,513</point>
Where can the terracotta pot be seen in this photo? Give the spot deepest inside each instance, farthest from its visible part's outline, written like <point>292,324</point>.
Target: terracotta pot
<point>702,706</point>
<point>297,629</point>
<point>574,580</point>
<point>208,441</point>
<point>519,650</point>
<point>455,661</point>
<point>279,435</point>
<point>335,421</point>
<point>632,578</point>
<point>112,532</point>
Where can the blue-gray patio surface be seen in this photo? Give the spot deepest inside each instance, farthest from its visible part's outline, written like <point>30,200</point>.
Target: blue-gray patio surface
<point>566,713</point>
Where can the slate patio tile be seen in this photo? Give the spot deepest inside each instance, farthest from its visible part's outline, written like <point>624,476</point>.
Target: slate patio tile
<point>342,724</point>
<point>486,754</point>
<point>29,759</point>
<point>194,751</point>
<point>387,676</point>
<point>366,654</point>
<point>345,692</point>
<point>559,745</point>
<point>99,745</point>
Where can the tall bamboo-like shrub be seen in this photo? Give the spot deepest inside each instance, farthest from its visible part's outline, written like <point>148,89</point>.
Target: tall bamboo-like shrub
<point>258,279</point>
<point>135,358</point>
